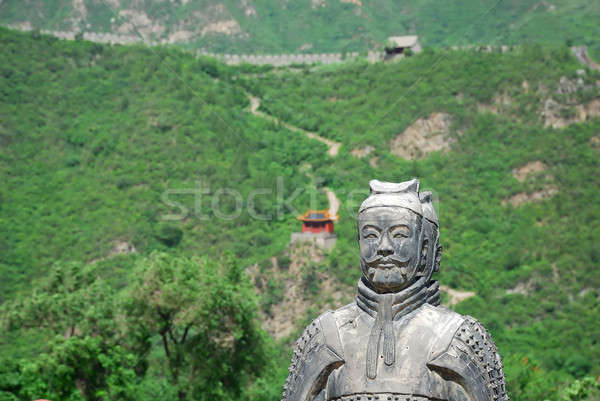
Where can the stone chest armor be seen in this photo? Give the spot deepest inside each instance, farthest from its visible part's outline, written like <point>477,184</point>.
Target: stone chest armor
<point>439,355</point>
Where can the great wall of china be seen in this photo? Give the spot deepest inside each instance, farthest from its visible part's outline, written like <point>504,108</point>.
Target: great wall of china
<point>280,60</point>
<point>325,58</point>
<point>256,59</point>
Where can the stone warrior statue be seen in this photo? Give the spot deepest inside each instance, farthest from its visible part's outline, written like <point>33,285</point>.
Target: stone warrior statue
<point>396,342</point>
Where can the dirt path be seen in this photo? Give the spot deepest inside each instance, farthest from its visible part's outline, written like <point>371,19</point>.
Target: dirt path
<point>456,296</point>
<point>254,105</point>
<point>334,147</point>
<point>334,202</point>
<point>580,52</point>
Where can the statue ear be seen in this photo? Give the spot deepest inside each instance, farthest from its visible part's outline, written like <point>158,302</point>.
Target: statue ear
<point>438,258</point>
<point>423,260</point>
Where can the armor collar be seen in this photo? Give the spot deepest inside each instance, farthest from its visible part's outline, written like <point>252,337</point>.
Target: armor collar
<point>433,293</point>
<point>385,308</point>
<point>401,303</point>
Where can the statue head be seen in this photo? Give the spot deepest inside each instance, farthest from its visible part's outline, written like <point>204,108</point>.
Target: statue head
<point>393,248</point>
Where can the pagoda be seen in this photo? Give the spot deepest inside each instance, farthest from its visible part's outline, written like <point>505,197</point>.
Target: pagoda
<point>317,226</point>
<point>317,221</point>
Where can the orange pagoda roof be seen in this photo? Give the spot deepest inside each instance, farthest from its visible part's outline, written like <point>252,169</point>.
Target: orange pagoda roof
<point>317,215</point>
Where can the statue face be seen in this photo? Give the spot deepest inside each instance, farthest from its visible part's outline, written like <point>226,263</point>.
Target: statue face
<point>388,238</point>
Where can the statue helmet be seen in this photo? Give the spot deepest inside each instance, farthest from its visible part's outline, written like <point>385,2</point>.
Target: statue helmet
<point>389,194</point>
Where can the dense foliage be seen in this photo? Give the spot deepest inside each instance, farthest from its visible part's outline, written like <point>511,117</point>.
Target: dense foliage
<point>197,316</point>
<point>316,26</point>
<point>108,294</point>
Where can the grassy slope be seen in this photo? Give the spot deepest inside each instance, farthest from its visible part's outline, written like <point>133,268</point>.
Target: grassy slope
<point>92,135</point>
<point>339,26</point>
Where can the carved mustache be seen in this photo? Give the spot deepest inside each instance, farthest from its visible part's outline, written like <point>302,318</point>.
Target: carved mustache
<point>378,259</point>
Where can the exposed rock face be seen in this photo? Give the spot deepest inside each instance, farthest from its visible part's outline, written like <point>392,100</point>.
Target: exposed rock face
<point>133,25</point>
<point>524,197</point>
<point>558,116</point>
<point>119,248</point>
<point>134,20</point>
<point>580,52</point>
<point>566,86</point>
<point>317,3</point>
<point>590,110</point>
<point>249,10</point>
<point>530,172</point>
<point>181,36</point>
<point>281,320</point>
<point>424,136</point>
<point>531,168</point>
<point>217,19</point>
<point>228,27</point>
<point>79,13</point>
<point>499,104</point>
<point>361,152</point>
<point>122,248</point>
<point>551,114</point>
<point>566,111</point>
<point>523,288</point>
<point>357,2</point>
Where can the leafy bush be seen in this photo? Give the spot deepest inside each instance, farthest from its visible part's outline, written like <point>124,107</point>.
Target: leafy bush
<point>169,235</point>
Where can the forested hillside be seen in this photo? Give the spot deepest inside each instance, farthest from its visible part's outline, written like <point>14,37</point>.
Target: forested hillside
<point>122,278</point>
<point>315,26</point>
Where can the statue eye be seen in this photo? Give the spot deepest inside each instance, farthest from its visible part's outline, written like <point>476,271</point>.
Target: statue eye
<point>370,236</point>
<point>400,232</point>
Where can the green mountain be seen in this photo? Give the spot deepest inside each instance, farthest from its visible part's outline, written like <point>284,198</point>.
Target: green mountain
<point>314,26</point>
<point>144,237</point>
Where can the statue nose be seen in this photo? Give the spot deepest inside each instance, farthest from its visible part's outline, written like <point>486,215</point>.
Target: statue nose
<point>385,252</point>
<point>385,247</point>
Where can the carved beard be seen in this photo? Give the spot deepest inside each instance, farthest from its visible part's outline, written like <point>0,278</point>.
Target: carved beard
<point>390,273</point>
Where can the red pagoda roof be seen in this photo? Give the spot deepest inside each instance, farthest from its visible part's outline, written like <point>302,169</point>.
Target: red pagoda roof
<point>317,215</point>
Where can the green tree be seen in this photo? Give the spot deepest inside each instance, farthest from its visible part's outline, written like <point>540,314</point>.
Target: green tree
<point>205,316</point>
<point>87,356</point>
<point>72,300</point>
<point>587,388</point>
<point>80,368</point>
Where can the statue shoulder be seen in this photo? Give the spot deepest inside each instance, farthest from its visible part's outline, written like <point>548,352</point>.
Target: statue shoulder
<point>472,360</point>
<point>345,313</point>
<point>320,344</point>
<point>439,323</point>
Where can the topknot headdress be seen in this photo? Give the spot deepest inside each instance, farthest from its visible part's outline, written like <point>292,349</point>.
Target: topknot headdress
<point>426,198</point>
<point>403,194</point>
